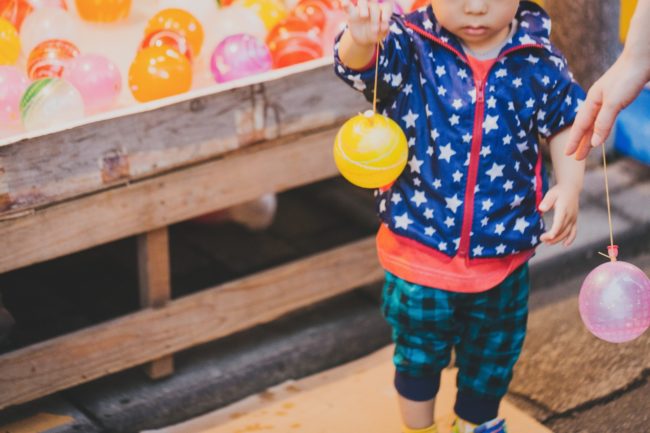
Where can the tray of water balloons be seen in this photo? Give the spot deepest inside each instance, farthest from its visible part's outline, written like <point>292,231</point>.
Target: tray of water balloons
<point>62,61</point>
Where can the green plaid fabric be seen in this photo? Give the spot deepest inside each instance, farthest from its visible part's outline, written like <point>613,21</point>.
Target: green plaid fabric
<point>486,329</point>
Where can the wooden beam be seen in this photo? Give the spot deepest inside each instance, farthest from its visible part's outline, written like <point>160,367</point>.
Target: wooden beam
<point>66,361</point>
<point>155,286</point>
<point>93,157</point>
<point>166,199</point>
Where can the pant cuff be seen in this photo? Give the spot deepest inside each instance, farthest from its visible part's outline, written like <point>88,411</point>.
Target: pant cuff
<point>417,388</point>
<point>476,408</point>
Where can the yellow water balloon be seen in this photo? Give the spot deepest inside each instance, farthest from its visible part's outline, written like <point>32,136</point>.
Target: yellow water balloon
<point>9,43</point>
<point>370,150</point>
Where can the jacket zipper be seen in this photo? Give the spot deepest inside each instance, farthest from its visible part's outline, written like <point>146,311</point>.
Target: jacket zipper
<point>477,135</point>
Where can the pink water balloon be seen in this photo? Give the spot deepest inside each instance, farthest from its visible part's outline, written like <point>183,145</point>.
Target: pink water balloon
<point>13,84</point>
<point>97,78</point>
<point>239,56</point>
<point>614,302</point>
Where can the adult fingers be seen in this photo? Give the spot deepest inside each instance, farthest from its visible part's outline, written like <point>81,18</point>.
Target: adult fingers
<point>585,119</point>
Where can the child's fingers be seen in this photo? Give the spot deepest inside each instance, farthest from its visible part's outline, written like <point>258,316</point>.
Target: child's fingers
<point>572,235</point>
<point>565,231</point>
<point>558,223</point>
<point>386,11</point>
<point>373,9</point>
<point>362,7</point>
<point>353,12</point>
<point>549,200</point>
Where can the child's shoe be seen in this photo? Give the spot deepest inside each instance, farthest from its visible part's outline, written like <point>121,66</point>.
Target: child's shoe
<point>496,425</point>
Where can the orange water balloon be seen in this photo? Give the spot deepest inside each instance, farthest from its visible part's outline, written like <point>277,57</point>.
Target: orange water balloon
<point>158,72</point>
<point>103,11</point>
<point>181,22</point>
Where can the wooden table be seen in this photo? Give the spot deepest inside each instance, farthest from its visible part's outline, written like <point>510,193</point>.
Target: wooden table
<point>138,173</point>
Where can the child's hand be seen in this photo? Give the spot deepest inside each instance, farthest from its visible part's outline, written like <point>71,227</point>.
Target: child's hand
<point>564,199</point>
<point>368,20</point>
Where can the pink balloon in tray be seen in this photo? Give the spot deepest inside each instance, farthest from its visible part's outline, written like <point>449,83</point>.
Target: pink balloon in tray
<point>13,83</point>
<point>97,78</point>
<point>239,56</point>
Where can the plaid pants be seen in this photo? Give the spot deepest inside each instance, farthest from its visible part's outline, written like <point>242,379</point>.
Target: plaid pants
<point>486,329</point>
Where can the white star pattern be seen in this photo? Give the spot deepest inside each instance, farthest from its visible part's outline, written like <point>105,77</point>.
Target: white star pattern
<point>485,151</point>
<point>449,222</point>
<point>516,201</point>
<point>429,231</point>
<point>517,82</point>
<point>530,103</point>
<point>457,176</point>
<point>495,171</point>
<point>499,228</point>
<point>428,213</point>
<point>434,134</point>
<point>484,221</point>
<point>457,103</point>
<point>462,73</point>
<point>403,221</point>
<point>501,73</point>
<point>507,186</point>
<point>410,119</point>
<point>396,198</point>
<point>430,150</point>
<point>442,246</point>
<point>415,164</point>
<point>467,137</point>
<point>507,139</point>
<point>532,59</point>
<point>487,204</point>
<point>442,91</point>
<point>478,250</point>
<point>490,123</point>
<point>408,89</point>
<point>492,102</point>
<point>454,119</point>
<point>446,152</point>
<point>418,198</point>
<point>453,203</point>
<point>501,249</point>
<point>440,71</point>
<point>521,224</point>
<point>437,184</point>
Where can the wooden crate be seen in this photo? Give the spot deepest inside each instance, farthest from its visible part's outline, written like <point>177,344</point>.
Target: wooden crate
<point>135,175</point>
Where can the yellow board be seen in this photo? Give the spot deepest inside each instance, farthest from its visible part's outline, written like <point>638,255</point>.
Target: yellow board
<point>539,2</point>
<point>627,10</point>
<point>38,423</point>
<point>356,397</point>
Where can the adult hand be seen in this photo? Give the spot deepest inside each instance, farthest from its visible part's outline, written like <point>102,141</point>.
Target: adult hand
<point>615,90</point>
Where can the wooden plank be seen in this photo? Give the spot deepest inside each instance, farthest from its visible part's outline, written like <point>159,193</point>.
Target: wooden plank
<point>69,360</point>
<point>90,158</point>
<point>154,276</point>
<point>160,201</point>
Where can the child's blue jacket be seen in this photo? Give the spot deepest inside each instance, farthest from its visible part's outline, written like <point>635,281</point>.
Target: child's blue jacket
<point>474,176</point>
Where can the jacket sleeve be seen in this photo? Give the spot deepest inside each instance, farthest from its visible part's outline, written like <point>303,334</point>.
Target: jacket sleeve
<point>563,97</point>
<point>394,60</point>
